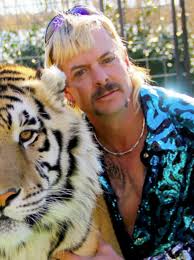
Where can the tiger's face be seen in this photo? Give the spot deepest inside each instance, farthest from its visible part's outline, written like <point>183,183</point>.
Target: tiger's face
<point>48,164</point>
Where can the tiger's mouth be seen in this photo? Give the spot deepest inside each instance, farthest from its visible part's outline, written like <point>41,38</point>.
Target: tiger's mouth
<point>7,221</point>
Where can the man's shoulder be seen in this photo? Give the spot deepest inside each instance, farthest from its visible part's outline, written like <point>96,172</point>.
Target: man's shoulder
<point>161,105</point>
<point>165,96</point>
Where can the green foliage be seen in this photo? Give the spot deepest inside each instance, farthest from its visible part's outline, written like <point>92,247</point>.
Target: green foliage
<point>23,47</point>
<point>151,44</point>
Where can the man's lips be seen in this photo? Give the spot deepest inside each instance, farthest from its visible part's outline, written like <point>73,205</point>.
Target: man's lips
<point>106,94</point>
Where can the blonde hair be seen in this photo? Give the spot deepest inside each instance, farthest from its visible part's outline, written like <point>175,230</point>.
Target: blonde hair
<point>74,37</point>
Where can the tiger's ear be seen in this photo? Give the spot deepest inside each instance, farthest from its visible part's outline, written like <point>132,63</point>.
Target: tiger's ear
<point>54,80</point>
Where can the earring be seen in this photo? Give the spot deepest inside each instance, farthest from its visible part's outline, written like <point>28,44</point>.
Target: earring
<point>71,103</point>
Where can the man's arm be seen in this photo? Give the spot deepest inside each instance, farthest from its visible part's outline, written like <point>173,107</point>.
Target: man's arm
<point>105,252</point>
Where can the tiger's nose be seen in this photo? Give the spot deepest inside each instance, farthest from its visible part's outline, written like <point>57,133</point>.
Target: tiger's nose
<point>7,196</point>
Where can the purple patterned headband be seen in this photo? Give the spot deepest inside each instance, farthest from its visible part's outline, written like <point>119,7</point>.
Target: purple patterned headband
<point>58,21</point>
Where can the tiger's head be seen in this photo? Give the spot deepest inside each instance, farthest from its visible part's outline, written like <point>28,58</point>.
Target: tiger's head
<point>48,162</point>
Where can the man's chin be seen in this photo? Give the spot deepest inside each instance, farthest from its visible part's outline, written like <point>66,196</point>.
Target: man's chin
<point>109,110</point>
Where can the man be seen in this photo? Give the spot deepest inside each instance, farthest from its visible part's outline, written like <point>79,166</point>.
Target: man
<point>146,134</point>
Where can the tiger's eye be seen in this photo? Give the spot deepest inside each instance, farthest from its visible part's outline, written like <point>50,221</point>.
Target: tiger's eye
<point>26,135</point>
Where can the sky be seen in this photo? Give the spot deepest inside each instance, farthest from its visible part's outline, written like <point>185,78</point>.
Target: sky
<point>26,6</point>
<point>35,6</point>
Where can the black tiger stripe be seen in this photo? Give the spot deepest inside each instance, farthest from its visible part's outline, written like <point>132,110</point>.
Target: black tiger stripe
<point>46,227</point>
<point>15,88</point>
<point>31,121</point>
<point>41,109</point>
<point>11,98</point>
<point>58,135</point>
<point>28,120</point>
<point>4,120</point>
<point>74,142</point>
<point>55,167</point>
<point>26,114</point>
<point>61,236</point>
<point>3,109</point>
<point>59,139</point>
<point>7,71</point>
<point>14,78</point>
<point>32,219</point>
<point>82,241</point>
<point>3,88</point>
<point>72,169</point>
<point>29,89</point>
<point>7,107</point>
<point>9,117</point>
<point>43,128</point>
<point>42,175</point>
<point>45,147</point>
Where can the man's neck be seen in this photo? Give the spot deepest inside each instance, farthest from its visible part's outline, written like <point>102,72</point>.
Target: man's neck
<point>120,131</point>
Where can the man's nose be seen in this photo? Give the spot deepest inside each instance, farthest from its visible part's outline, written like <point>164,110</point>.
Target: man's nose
<point>100,76</point>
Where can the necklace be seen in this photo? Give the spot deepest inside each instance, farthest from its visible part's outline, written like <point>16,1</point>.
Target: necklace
<point>124,152</point>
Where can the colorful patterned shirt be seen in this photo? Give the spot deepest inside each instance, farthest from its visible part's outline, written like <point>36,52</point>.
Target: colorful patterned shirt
<point>164,228</point>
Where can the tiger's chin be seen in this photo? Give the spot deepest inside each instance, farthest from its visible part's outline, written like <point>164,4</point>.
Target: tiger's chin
<point>13,234</point>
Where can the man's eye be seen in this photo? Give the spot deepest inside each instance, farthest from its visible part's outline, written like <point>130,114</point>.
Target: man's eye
<point>108,59</point>
<point>79,73</point>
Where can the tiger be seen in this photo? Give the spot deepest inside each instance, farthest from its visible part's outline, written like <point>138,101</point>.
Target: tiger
<point>50,197</point>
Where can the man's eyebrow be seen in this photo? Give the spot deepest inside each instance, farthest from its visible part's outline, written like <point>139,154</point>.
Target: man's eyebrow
<point>81,66</point>
<point>105,54</point>
<point>75,67</point>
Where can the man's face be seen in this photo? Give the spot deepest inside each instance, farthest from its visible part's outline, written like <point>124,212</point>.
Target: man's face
<point>98,79</point>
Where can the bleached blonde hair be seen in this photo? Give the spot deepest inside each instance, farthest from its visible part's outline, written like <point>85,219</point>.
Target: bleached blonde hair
<point>74,37</point>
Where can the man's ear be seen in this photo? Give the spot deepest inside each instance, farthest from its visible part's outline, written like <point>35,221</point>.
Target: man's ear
<point>126,59</point>
<point>69,97</point>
